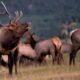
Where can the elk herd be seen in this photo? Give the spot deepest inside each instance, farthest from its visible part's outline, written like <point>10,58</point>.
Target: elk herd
<point>34,50</point>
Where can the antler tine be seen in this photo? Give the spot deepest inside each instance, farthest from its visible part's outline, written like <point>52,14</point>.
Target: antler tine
<point>18,15</point>
<point>21,13</point>
<point>6,9</point>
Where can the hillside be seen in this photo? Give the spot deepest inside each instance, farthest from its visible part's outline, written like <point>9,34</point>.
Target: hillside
<point>46,16</point>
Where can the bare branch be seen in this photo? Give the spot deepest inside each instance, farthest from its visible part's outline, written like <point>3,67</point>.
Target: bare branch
<point>1,13</point>
<point>6,9</point>
<point>17,17</point>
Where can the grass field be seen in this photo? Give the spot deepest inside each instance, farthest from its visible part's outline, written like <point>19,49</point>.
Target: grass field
<point>45,72</point>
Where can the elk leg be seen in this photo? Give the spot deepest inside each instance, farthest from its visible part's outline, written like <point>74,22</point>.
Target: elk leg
<point>15,60</point>
<point>0,59</point>
<point>10,63</point>
<point>53,56</point>
<point>73,60</point>
<point>72,56</point>
<point>40,60</point>
<point>60,58</point>
<point>44,60</point>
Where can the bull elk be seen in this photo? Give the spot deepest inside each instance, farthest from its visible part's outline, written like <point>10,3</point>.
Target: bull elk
<point>10,35</point>
<point>75,39</point>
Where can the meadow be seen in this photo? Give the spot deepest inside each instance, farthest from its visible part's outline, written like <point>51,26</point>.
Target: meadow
<point>45,72</point>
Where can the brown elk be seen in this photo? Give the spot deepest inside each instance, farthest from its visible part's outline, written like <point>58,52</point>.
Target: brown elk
<point>10,35</point>
<point>75,39</point>
<point>26,51</point>
<point>45,47</point>
<point>50,46</point>
<point>41,48</point>
<point>66,47</point>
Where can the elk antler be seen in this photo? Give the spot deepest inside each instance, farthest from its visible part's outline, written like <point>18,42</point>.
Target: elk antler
<point>18,16</point>
<point>7,12</point>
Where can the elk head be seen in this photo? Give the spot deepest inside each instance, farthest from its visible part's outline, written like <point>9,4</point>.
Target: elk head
<point>17,26</point>
<point>14,23</point>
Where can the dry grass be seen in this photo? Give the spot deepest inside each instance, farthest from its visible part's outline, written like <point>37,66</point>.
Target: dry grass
<point>45,72</point>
